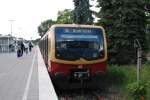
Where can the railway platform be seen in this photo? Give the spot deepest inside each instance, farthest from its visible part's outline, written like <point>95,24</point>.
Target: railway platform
<point>25,78</point>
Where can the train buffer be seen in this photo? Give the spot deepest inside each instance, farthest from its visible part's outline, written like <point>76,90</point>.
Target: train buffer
<point>25,78</point>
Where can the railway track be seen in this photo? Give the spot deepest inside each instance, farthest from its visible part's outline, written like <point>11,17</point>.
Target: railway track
<point>78,94</point>
<point>85,94</point>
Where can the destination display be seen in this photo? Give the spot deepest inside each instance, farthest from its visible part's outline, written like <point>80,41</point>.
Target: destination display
<point>76,30</point>
<point>78,34</point>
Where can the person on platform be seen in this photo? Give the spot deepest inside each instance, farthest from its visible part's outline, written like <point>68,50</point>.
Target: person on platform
<point>26,48</point>
<point>30,46</point>
<point>19,52</point>
<point>22,47</point>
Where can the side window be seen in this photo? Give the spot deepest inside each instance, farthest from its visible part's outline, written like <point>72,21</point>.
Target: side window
<point>49,44</point>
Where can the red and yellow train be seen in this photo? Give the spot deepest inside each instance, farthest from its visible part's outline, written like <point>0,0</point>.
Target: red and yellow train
<point>75,53</point>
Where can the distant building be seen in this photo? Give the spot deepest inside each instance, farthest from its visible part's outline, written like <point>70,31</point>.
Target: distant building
<point>7,43</point>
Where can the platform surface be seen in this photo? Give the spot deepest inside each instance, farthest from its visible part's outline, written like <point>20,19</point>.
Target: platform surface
<point>25,78</point>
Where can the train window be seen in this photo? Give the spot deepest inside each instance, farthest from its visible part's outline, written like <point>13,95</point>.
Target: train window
<point>76,43</point>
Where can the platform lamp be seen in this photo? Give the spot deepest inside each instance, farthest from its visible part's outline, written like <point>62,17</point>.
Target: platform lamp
<point>11,21</point>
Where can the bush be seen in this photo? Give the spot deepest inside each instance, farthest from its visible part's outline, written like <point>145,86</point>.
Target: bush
<point>125,78</point>
<point>137,90</point>
<point>116,75</point>
<point>148,90</point>
<point>145,73</point>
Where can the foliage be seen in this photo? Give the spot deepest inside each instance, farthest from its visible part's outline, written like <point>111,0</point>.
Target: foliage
<point>125,78</point>
<point>44,26</point>
<point>148,29</point>
<point>124,21</point>
<point>115,75</point>
<point>82,13</point>
<point>148,89</point>
<point>134,88</point>
<point>137,89</point>
<point>65,17</point>
<point>143,86</point>
<point>145,72</point>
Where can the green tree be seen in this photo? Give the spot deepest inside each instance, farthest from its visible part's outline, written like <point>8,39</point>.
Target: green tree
<point>124,21</point>
<point>148,30</point>
<point>148,20</point>
<point>82,13</point>
<point>65,17</point>
<point>44,26</point>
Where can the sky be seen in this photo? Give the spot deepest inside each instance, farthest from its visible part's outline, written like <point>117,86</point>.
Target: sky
<point>28,14</point>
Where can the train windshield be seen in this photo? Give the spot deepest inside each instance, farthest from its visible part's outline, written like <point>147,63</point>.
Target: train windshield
<point>76,43</point>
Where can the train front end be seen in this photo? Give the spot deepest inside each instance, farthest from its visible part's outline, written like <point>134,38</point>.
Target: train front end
<point>77,54</point>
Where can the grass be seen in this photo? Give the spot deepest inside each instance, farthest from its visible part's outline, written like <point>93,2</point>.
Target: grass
<point>125,75</point>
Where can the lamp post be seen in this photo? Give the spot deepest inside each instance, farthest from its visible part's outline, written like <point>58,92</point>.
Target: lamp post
<point>11,21</point>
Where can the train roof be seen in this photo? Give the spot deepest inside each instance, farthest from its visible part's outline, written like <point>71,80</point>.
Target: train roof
<point>71,25</point>
<point>76,25</point>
